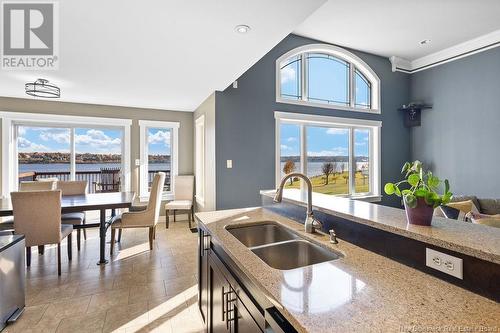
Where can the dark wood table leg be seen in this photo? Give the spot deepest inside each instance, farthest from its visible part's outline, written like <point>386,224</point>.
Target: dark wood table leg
<point>102,240</point>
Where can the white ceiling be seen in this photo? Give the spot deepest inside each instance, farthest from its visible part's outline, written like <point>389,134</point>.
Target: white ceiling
<point>395,27</point>
<point>159,54</point>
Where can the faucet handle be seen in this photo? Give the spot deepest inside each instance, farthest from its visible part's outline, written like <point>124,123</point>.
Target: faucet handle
<point>333,237</point>
<point>317,223</point>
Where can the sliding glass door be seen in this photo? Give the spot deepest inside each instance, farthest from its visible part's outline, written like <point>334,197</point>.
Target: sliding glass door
<point>92,153</point>
<point>43,152</point>
<point>98,158</point>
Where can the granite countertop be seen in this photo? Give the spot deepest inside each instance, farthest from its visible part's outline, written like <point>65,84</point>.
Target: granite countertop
<point>360,292</point>
<point>478,241</point>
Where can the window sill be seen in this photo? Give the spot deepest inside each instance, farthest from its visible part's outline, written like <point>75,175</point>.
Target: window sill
<point>367,198</point>
<point>302,194</point>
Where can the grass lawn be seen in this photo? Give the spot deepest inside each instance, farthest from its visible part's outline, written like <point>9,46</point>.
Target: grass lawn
<point>337,184</point>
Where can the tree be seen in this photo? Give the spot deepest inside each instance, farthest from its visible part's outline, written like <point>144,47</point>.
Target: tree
<point>327,169</point>
<point>289,167</point>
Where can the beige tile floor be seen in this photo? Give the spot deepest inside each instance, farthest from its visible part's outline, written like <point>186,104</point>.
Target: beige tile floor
<point>138,291</point>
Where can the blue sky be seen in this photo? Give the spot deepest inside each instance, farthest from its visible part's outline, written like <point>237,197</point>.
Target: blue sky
<point>87,140</point>
<point>323,141</point>
<point>159,141</point>
<point>327,80</point>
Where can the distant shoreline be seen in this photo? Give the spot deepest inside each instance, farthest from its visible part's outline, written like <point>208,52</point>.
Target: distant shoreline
<point>85,162</point>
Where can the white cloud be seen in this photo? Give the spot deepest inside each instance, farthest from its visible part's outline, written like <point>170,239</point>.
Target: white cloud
<point>57,135</point>
<point>338,151</point>
<point>162,137</point>
<point>25,145</point>
<point>287,74</point>
<point>291,139</point>
<point>285,147</point>
<point>336,131</point>
<point>97,141</point>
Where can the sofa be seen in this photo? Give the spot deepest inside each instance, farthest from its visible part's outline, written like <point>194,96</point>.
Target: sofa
<point>485,206</point>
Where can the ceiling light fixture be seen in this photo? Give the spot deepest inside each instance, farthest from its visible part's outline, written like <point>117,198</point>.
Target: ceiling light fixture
<point>425,41</point>
<point>42,88</point>
<point>242,29</point>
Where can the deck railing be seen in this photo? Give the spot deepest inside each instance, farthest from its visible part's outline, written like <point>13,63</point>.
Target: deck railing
<point>92,177</point>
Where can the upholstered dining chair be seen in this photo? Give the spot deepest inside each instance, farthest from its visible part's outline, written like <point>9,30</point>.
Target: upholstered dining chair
<point>37,185</point>
<point>37,215</point>
<point>74,187</point>
<point>147,218</point>
<point>183,198</point>
<point>47,185</point>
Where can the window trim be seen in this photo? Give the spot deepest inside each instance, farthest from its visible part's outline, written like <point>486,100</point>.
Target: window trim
<point>328,121</point>
<point>335,51</point>
<point>9,148</point>
<point>200,160</point>
<point>143,151</point>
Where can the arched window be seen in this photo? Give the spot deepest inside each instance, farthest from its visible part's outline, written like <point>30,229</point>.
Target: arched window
<point>327,76</point>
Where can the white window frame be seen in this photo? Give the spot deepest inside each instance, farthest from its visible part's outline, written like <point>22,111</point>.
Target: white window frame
<point>9,141</point>
<point>340,53</point>
<point>144,125</point>
<point>200,160</point>
<point>305,120</point>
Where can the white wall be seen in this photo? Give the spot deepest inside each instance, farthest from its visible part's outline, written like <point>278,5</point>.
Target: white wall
<point>207,108</point>
<point>74,109</point>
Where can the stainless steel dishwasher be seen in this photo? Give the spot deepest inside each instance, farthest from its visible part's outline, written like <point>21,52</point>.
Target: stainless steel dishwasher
<point>12,278</point>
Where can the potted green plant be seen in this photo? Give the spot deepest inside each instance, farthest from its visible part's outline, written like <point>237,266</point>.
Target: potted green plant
<point>420,194</point>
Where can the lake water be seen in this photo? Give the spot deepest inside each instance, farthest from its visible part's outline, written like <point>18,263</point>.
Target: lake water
<point>313,168</point>
<point>59,167</point>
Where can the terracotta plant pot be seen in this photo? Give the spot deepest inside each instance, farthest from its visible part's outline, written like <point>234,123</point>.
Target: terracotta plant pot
<point>420,215</point>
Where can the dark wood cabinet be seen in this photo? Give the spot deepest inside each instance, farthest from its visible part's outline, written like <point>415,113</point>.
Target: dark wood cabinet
<point>203,247</point>
<point>244,320</point>
<point>223,302</point>
<point>218,292</point>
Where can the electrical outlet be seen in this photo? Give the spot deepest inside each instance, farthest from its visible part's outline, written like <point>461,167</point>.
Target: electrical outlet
<point>444,262</point>
<point>229,164</point>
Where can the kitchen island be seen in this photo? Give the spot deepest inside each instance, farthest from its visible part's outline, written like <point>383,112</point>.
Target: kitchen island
<point>360,292</point>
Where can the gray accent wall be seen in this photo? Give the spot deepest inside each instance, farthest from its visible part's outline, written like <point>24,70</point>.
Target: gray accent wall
<point>460,136</point>
<point>245,127</point>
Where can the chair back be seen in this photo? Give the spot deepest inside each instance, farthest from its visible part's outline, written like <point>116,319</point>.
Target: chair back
<point>155,195</point>
<point>184,188</point>
<point>72,187</point>
<point>37,186</point>
<point>37,215</point>
<point>110,180</point>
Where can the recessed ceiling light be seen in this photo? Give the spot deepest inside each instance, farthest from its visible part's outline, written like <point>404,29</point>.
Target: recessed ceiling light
<point>425,41</point>
<point>242,29</point>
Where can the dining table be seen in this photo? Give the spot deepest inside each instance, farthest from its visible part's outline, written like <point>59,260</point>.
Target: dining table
<point>87,202</point>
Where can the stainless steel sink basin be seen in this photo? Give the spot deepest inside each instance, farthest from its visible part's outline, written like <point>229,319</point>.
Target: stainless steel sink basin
<point>294,254</point>
<point>261,234</point>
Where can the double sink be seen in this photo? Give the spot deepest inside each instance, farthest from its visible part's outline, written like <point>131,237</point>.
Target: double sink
<point>279,247</point>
